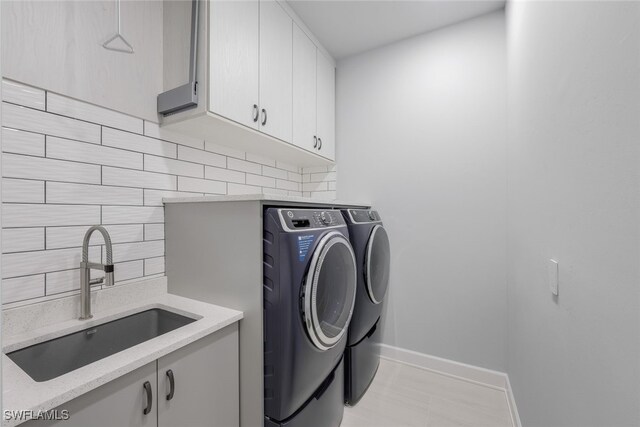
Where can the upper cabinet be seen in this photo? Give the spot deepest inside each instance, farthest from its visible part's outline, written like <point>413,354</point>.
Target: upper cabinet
<point>234,61</point>
<point>264,83</point>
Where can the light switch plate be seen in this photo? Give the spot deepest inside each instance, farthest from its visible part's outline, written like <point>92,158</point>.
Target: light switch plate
<point>552,270</point>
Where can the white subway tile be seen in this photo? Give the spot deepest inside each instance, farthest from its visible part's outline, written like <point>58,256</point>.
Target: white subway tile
<point>323,176</point>
<point>314,169</point>
<point>244,166</point>
<point>76,151</point>
<point>287,185</point>
<point>138,179</point>
<point>324,195</point>
<point>172,166</point>
<point>260,159</point>
<point>331,185</point>
<point>201,156</point>
<point>131,214</point>
<point>26,263</point>
<point>154,266</point>
<point>17,166</point>
<point>91,113</point>
<point>314,186</point>
<point>220,174</point>
<point>154,197</point>
<point>288,167</point>
<point>306,194</point>
<point>274,173</point>
<point>262,181</point>
<point>23,118</point>
<point>295,177</point>
<point>64,193</point>
<point>21,142</point>
<point>243,189</point>
<point>140,250</point>
<point>22,191</point>
<point>295,193</point>
<point>128,270</point>
<point>155,131</point>
<point>332,168</point>
<point>22,288</point>
<point>69,237</point>
<point>17,93</point>
<point>221,149</point>
<point>18,215</point>
<point>306,177</point>
<point>22,239</point>
<point>153,231</point>
<point>143,144</point>
<point>201,185</point>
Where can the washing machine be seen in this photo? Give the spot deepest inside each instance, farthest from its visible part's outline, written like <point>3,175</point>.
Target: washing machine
<point>309,288</point>
<point>371,247</point>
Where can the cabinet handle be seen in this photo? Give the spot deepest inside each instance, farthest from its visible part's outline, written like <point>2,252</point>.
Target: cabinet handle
<point>256,112</point>
<point>172,384</point>
<point>315,141</point>
<point>319,143</point>
<point>264,117</point>
<point>147,389</point>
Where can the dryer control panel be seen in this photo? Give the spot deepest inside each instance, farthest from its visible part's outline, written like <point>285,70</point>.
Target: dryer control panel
<point>301,219</point>
<point>364,215</point>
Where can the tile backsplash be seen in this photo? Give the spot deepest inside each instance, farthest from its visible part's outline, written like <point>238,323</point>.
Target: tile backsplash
<point>67,165</point>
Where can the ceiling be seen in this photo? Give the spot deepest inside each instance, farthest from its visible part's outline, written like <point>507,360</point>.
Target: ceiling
<point>346,28</point>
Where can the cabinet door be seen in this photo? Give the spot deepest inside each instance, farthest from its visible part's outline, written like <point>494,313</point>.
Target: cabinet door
<point>276,63</point>
<point>205,383</point>
<point>326,107</point>
<point>233,62</point>
<point>304,90</point>
<point>118,403</point>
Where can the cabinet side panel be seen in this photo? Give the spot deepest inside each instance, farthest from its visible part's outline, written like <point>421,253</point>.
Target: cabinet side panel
<point>214,254</point>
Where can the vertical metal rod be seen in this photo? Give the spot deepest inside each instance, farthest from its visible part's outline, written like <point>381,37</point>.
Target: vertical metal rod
<point>118,9</point>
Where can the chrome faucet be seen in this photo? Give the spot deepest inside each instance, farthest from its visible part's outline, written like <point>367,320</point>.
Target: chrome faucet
<point>85,270</point>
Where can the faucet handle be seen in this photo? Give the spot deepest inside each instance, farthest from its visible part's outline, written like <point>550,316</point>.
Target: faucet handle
<point>96,281</point>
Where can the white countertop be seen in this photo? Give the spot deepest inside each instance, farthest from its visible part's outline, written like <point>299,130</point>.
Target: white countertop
<point>268,198</point>
<point>28,325</point>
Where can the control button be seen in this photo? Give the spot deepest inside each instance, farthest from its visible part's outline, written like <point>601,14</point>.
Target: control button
<point>372,215</point>
<point>290,214</point>
<point>325,218</point>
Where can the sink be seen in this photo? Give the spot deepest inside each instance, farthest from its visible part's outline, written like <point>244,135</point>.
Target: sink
<point>50,359</point>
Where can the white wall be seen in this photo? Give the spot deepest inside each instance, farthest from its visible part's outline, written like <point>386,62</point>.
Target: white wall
<point>421,133</point>
<point>574,195</point>
<point>57,45</point>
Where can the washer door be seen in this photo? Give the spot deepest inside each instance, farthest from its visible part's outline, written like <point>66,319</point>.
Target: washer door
<point>330,291</point>
<point>376,265</point>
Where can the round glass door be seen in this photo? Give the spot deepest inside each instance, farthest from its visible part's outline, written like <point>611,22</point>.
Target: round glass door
<point>377,264</point>
<point>330,291</point>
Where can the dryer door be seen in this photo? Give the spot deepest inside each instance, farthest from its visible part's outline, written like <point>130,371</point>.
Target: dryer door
<point>330,290</point>
<point>377,260</point>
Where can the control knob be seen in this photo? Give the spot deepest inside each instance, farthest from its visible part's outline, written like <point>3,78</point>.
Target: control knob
<point>326,219</point>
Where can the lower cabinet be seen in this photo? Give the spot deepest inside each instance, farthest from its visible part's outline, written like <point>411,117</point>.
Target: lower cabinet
<point>195,386</point>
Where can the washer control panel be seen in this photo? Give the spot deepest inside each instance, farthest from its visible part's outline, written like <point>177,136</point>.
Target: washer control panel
<point>364,215</point>
<point>300,219</point>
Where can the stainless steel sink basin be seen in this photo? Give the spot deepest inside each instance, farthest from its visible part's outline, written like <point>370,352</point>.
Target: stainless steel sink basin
<point>50,359</point>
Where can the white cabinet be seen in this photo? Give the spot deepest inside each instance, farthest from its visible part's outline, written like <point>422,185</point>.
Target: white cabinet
<point>261,80</point>
<point>205,383</point>
<point>233,62</point>
<point>326,107</point>
<point>313,97</point>
<point>205,391</point>
<point>304,91</point>
<point>275,70</point>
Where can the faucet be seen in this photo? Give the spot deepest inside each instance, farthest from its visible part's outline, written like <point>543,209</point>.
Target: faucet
<point>85,270</point>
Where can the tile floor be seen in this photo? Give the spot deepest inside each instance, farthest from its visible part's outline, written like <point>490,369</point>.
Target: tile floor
<point>407,396</point>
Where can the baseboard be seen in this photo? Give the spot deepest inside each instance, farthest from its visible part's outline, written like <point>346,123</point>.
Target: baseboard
<point>462,371</point>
